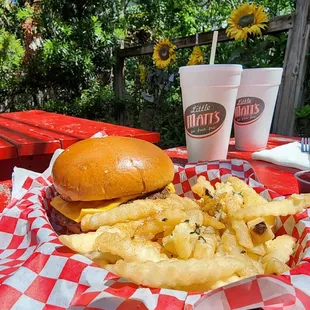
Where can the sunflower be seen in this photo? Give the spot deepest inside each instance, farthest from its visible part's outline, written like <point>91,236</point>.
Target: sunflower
<point>142,74</point>
<point>196,57</point>
<point>164,54</point>
<point>246,19</point>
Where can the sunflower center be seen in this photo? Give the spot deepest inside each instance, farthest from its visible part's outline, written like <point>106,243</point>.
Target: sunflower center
<point>164,52</point>
<point>246,20</point>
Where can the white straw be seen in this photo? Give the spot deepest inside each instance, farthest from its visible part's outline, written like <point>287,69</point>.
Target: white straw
<point>213,48</point>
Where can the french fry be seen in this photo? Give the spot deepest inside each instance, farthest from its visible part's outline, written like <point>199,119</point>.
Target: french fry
<point>167,220</point>
<point>258,249</point>
<point>260,230</point>
<point>230,244</point>
<point>175,202</point>
<point>135,210</point>
<point>102,258</point>
<point>126,212</point>
<point>203,187</point>
<point>253,256</point>
<point>186,203</point>
<point>280,248</point>
<point>195,287</point>
<point>233,205</point>
<point>195,217</point>
<point>209,204</point>
<point>258,265</point>
<point>250,197</point>
<point>283,207</point>
<point>80,243</point>
<point>101,262</point>
<point>131,250</point>
<point>204,287</point>
<point>251,267</point>
<point>211,221</point>
<point>184,239</point>
<point>275,266</point>
<point>205,247</point>
<point>270,220</point>
<point>150,227</point>
<point>223,190</point>
<point>222,282</point>
<point>284,242</point>
<point>174,273</point>
<point>125,229</point>
<point>168,244</point>
<point>242,233</point>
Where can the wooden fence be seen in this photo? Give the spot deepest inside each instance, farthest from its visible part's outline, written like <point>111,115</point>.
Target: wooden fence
<point>291,93</point>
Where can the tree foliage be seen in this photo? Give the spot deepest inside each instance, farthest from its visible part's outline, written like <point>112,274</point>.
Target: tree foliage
<point>11,49</point>
<point>58,55</point>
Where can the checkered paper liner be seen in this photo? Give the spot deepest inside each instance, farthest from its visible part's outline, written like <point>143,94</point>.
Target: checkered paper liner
<point>37,272</point>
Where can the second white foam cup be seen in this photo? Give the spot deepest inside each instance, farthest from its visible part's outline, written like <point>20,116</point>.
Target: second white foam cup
<point>209,95</point>
<point>255,105</point>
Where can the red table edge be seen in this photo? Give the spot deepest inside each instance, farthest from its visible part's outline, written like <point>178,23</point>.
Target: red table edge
<point>14,149</point>
<point>182,157</point>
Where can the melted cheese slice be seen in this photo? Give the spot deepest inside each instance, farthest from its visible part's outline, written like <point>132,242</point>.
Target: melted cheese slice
<point>76,210</point>
<point>170,188</point>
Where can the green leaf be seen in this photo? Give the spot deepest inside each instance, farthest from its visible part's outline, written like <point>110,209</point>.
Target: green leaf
<point>119,33</point>
<point>272,38</point>
<point>303,112</point>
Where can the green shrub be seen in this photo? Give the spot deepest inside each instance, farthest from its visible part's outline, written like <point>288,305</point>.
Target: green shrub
<point>11,56</point>
<point>303,121</point>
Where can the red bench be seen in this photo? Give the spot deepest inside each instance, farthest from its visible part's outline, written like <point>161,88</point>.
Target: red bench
<point>28,139</point>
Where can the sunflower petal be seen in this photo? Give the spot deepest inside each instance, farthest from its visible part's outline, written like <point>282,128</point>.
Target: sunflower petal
<point>234,30</point>
<point>158,60</point>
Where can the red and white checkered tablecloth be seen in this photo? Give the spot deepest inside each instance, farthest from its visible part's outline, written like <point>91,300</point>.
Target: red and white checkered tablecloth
<point>37,272</point>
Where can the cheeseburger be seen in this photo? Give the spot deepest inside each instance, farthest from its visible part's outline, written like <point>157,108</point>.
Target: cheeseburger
<point>99,174</point>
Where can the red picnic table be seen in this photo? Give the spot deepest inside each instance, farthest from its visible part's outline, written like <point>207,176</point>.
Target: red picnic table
<point>28,139</point>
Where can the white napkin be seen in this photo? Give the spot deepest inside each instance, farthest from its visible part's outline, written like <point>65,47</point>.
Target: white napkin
<point>288,155</point>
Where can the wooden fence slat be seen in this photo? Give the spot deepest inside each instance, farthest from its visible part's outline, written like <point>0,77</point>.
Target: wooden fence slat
<point>291,92</point>
<point>119,78</point>
<point>276,24</point>
<point>119,81</point>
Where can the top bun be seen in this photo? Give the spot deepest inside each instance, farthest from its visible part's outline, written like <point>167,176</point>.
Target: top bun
<point>111,167</point>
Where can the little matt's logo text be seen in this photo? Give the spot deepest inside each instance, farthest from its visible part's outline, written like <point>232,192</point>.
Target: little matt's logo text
<point>248,110</point>
<point>204,119</point>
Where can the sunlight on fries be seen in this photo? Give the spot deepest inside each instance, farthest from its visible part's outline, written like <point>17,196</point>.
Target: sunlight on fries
<point>193,245</point>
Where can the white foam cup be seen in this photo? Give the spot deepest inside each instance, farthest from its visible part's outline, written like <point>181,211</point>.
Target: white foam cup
<point>255,106</point>
<point>209,95</point>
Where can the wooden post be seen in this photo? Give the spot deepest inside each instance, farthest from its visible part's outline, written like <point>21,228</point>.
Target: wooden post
<point>291,93</point>
<point>119,81</point>
<point>119,76</point>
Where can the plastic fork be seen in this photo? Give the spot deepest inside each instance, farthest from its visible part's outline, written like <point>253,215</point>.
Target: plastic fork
<point>305,145</point>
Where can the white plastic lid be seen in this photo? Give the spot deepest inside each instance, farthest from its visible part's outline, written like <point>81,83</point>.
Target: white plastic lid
<point>261,76</point>
<point>217,67</point>
<point>210,75</point>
